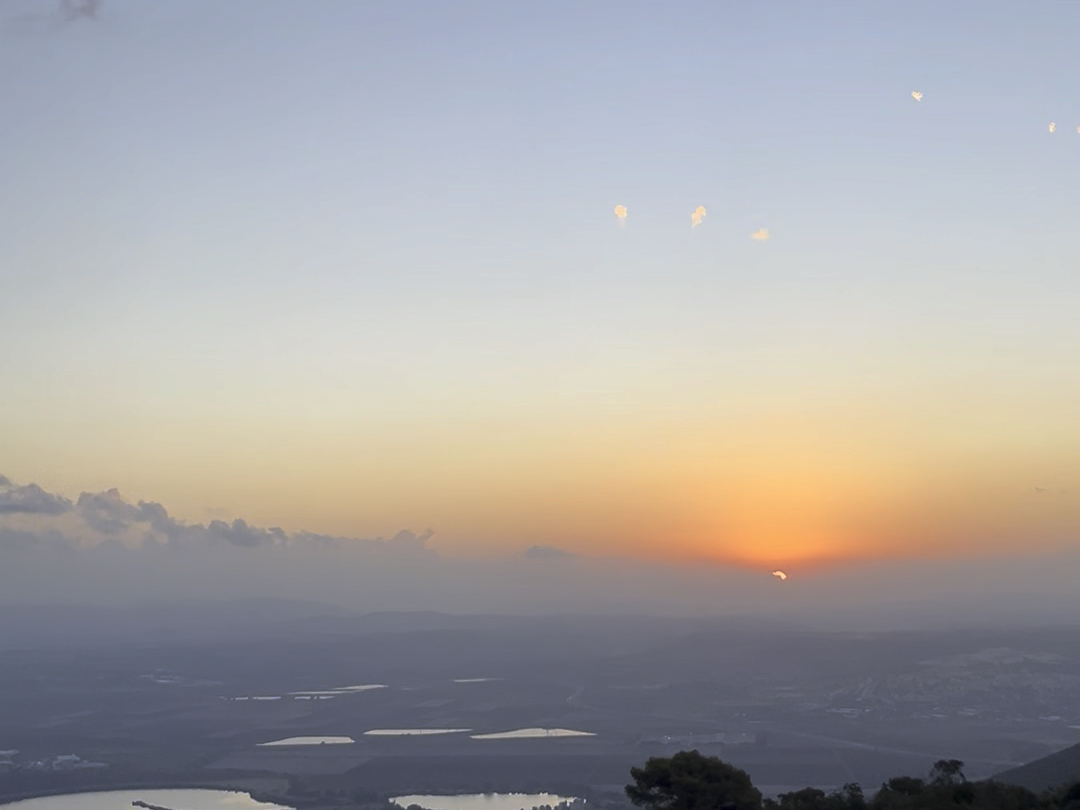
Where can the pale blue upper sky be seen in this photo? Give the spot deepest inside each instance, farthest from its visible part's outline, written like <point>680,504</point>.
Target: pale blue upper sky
<point>390,203</point>
<point>269,168</point>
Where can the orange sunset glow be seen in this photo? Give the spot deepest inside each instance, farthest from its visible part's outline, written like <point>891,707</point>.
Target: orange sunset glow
<point>494,327</point>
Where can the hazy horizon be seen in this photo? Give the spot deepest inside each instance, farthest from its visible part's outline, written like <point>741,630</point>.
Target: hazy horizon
<point>619,306</point>
<point>100,549</point>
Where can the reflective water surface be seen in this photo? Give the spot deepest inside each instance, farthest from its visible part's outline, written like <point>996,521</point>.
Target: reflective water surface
<point>533,732</point>
<point>483,801</point>
<point>410,732</point>
<point>122,799</point>
<point>312,741</point>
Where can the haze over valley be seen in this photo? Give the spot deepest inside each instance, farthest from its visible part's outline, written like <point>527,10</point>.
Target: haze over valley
<point>494,405</point>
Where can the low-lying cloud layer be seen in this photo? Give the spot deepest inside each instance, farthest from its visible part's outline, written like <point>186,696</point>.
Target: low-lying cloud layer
<point>98,519</point>
<point>99,548</point>
<point>30,500</point>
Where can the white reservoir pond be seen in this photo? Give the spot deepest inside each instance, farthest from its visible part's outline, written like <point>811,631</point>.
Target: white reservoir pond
<point>122,799</point>
<point>482,801</point>
<point>231,800</point>
<point>314,694</point>
<point>312,741</point>
<point>516,734</point>
<point>413,732</point>
<point>529,733</point>
<point>338,691</point>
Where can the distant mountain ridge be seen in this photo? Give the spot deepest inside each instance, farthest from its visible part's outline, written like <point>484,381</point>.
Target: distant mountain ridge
<point>1055,770</point>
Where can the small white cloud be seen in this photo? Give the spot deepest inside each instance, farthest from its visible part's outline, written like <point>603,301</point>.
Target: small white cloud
<point>697,216</point>
<point>915,94</point>
<point>761,234</point>
<point>1051,126</point>
<point>779,575</point>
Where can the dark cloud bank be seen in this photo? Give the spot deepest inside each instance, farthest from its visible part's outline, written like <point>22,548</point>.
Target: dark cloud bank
<point>101,549</point>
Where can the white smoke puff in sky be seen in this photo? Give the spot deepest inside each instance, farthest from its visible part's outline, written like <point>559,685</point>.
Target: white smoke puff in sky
<point>1051,126</point>
<point>915,94</point>
<point>696,216</point>
<point>761,234</point>
<point>779,575</point>
<point>620,215</point>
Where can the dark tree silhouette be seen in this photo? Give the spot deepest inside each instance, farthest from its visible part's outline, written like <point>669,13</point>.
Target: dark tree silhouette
<point>850,797</point>
<point>806,799</point>
<point>690,781</point>
<point>1070,797</point>
<point>904,786</point>
<point>947,772</point>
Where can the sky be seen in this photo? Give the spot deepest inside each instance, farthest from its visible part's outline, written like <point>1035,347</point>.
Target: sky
<point>352,269</point>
